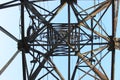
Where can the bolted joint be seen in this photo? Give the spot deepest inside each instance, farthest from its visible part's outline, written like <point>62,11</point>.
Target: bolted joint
<point>111,43</point>
<point>91,60</point>
<point>23,45</point>
<point>117,43</point>
<point>69,1</point>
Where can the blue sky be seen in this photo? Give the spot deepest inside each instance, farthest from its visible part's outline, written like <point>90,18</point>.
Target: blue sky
<point>10,20</point>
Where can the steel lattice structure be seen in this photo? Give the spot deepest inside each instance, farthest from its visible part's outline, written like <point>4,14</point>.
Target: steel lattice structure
<point>69,32</point>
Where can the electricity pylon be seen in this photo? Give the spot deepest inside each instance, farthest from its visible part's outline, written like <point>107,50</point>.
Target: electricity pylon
<point>66,39</point>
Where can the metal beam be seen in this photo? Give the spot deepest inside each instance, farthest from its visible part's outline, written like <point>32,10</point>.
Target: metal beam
<point>9,62</point>
<point>23,40</point>
<point>91,15</point>
<point>56,70</point>
<point>100,74</point>
<point>96,11</point>
<point>116,11</point>
<point>13,3</point>
<point>47,55</point>
<point>44,21</point>
<point>8,34</point>
<point>114,25</point>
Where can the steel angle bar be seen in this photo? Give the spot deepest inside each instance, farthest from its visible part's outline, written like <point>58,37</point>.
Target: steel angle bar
<point>56,70</point>
<point>100,26</point>
<point>96,78</point>
<point>100,65</point>
<point>36,72</point>
<point>95,50</point>
<point>39,52</point>
<point>96,11</point>
<point>87,27</point>
<point>39,0</point>
<point>34,11</point>
<point>52,74</point>
<point>8,34</point>
<point>9,62</point>
<point>116,11</point>
<point>39,44</point>
<point>100,74</point>
<point>43,9</point>
<point>86,53</point>
<point>59,9</point>
<point>84,10</point>
<point>97,22</point>
<point>43,62</point>
<point>100,8</point>
<point>33,67</point>
<point>46,23</point>
<point>47,55</point>
<point>33,76</point>
<point>9,4</point>
<point>85,44</point>
<point>49,71</point>
<point>25,66</point>
<point>75,69</point>
<point>114,26</point>
<point>99,34</point>
<point>95,65</point>
<point>13,3</point>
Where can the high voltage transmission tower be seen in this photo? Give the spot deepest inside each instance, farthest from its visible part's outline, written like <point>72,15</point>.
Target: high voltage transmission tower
<point>66,39</point>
